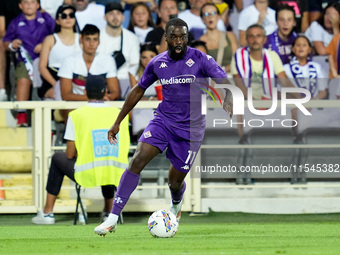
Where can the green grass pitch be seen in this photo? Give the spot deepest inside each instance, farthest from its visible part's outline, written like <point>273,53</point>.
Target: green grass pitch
<point>214,233</point>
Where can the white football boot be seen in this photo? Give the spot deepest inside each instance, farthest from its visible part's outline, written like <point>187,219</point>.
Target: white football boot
<point>176,210</point>
<point>110,225</point>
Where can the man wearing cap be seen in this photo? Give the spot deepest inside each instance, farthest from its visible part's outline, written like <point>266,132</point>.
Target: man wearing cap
<point>121,44</point>
<point>89,158</point>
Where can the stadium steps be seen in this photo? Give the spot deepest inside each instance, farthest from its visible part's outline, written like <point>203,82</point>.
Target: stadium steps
<point>18,191</point>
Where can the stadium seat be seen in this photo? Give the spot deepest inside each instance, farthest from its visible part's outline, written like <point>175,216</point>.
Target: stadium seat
<point>214,157</point>
<point>275,157</point>
<point>319,118</point>
<point>156,169</point>
<point>333,86</point>
<point>323,61</point>
<point>314,158</point>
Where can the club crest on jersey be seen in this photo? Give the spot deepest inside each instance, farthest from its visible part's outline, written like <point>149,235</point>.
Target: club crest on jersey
<point>163,65</point>
<point>190,62</point>
<point>147,134</point>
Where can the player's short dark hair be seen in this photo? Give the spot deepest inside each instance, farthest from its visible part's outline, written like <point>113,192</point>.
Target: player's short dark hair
<point>90,30</point>
<point>176,22</point>
<point>284,7</point>
<point>256,26</point>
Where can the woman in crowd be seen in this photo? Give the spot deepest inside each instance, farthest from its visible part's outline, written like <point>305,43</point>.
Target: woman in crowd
<point>141,22</point>
<point>321,32</point>
<point>56,48</point>
<point>221,45</point>
<point>303,72</point>
<point>147,52</point>
<point>141,117</point>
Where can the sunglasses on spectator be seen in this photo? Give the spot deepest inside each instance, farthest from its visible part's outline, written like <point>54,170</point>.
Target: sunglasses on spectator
<point>65,15</point>
<point>207,14</point>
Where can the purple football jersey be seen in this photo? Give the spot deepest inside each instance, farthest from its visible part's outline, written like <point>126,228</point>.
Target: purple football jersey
<point>182,82</point>
<point>30,32</point>
<point>282,48</point>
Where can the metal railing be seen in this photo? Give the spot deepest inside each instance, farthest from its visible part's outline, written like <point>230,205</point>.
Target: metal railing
<point>42,150</point>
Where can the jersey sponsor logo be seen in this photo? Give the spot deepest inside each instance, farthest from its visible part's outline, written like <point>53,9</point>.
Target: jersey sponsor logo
<point>185,78</point>
<point>209,57</point>
<point>190,62</point>
<point>186,167</point>
<point>21,24</point>
<point>163,65</point>
<point>147,134</point>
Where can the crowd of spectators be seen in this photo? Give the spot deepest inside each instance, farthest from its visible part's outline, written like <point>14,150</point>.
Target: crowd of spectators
<point>65,41</point>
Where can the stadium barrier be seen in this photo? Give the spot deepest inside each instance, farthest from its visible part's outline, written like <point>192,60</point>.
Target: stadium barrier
<point>42,152</point>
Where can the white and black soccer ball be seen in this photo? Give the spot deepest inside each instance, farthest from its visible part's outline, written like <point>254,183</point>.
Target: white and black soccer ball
<point>163,223</point>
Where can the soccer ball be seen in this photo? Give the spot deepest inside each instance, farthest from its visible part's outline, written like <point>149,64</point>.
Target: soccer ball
<point>163,223</point>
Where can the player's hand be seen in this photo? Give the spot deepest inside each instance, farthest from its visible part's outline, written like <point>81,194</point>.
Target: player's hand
<point>228,104</point>
<point>16,43</point>
<point>111,135</point>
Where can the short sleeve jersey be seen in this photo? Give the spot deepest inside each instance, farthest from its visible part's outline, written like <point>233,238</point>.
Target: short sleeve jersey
<point>281,47</point>
<point>30,32</point>
<point>182,83</point>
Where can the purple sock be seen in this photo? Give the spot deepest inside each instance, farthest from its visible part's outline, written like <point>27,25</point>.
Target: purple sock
<point>178,195</point>
<point>127,185</point>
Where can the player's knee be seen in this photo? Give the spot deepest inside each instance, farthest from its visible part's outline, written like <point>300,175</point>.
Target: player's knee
<point>137,164</point>
<point>175,185</point>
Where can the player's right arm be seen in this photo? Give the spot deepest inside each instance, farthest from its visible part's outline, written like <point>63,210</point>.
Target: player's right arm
<point>132,99</point>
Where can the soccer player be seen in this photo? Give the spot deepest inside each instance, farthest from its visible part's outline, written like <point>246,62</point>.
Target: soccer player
<point>178,124</point>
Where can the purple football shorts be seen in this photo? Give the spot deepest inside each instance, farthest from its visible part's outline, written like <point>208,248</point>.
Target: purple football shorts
<point>181,152</point>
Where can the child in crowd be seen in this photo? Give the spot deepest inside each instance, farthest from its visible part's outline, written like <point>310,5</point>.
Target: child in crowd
<point>141,22</point>
<point>303,72</point>
<point>24,36</point>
